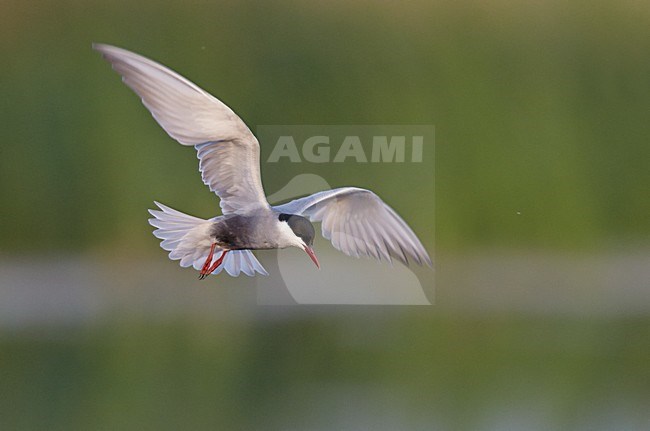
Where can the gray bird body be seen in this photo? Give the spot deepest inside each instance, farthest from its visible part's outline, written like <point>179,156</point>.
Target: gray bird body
<point>356,220</point>
<point>260,231</point>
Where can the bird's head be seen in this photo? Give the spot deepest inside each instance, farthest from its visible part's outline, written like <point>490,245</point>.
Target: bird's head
<point>304,232</point>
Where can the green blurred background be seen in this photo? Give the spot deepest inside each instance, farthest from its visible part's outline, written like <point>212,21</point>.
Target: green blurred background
<point>542,218</point>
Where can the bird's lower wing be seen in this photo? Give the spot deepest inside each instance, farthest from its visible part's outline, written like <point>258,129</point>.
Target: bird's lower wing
<point>359,223</point>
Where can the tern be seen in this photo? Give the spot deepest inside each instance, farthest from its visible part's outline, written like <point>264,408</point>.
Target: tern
<point>356,220</point>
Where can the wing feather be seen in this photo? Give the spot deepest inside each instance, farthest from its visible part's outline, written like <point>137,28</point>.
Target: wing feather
<point>228,151</point>
<point>359,223</point>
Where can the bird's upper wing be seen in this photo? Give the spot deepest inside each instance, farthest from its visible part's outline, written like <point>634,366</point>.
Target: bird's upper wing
<point>359,223</point>
<point>229,153</point>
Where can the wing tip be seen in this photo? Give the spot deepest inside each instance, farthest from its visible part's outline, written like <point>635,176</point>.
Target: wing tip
<point>105,49</point>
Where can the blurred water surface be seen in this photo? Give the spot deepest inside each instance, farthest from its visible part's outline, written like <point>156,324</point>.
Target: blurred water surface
<point>144,345</point>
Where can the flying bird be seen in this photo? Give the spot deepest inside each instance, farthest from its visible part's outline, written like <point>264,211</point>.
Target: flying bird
<point>356,220</point>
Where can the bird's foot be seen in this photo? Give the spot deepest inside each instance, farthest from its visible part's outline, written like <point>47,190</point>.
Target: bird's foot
<point>204,271</point>
<point>214,266</point>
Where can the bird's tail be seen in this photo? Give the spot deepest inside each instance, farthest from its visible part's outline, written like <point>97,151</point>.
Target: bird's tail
<point>188,239</point>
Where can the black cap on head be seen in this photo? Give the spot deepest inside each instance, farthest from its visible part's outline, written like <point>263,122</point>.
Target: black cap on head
<point>300,226</point>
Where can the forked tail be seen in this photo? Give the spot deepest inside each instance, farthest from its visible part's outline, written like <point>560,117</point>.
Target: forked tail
<point>188,239</point>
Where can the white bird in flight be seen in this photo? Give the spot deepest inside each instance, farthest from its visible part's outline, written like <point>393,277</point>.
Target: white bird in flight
<point>356,220</point>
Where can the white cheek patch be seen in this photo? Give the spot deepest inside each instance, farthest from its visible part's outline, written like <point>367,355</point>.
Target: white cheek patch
<point>287,233</point>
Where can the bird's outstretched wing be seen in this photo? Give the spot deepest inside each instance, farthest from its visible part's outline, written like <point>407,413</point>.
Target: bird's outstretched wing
<point>359,223</point>
<point>229,153</point>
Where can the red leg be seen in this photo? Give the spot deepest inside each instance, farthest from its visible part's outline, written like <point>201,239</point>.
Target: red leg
<point>206,265</point>
<point>217,262</point>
